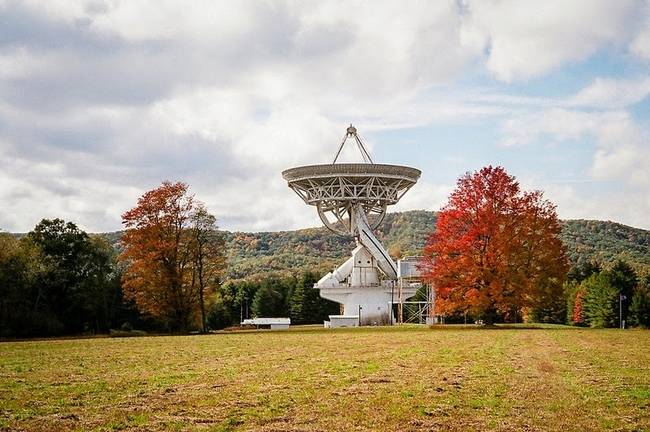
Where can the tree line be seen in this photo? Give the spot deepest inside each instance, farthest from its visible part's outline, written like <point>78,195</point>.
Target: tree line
<point>167,276</point>
<point>495,255</point>
<point>293,296</point>
<point>607,297</point>
<point>59,280</point>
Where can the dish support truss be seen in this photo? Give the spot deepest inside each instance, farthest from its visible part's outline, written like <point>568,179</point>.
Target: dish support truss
<point>338,196</point>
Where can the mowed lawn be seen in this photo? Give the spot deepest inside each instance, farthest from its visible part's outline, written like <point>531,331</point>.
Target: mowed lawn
<point>397,378</point>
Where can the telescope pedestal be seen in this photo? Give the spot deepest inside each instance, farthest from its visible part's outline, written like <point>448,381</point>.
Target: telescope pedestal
<point>356,285</point>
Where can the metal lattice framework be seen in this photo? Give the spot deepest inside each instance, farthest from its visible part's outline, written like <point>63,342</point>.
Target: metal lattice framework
<point>338,190</point>
<point>335,189</point>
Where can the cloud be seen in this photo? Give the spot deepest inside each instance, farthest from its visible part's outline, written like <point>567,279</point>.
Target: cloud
<point>612,93</point>
<point>224,96</point>
<point>573,202</point>
<point>525,39</point>
<point>621,145</point>
<point>640,46</point>
<point>621,158</point>
<point>425,196</point>
<point>102,100</point>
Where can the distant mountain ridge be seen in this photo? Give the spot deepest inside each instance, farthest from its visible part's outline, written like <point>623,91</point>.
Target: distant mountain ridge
<point>256,255</point>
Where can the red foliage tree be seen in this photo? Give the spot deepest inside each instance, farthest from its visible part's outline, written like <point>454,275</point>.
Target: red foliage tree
<point>495,249</point>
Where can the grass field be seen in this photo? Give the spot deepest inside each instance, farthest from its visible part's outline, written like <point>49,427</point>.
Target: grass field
<point>407,378</point>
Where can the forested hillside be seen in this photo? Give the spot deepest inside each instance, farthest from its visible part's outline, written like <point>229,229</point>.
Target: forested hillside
<point>254,255</point>
<point>605,241</point>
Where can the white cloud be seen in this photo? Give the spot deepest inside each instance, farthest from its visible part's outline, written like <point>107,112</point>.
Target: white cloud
<point>573,203</point>
<point>612,93</point>
<point>425,196</point>
<point>524,39</point>
<point>106,99</point>
<point>640,46</point>
<point>622,149</point>
<point>621,157</point>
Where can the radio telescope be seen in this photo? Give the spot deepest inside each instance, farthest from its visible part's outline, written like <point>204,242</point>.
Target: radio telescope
<point>351,199</point>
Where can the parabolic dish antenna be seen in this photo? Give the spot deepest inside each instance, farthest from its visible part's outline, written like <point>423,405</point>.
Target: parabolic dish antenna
<point>338,190</point>
<point>351,199</point>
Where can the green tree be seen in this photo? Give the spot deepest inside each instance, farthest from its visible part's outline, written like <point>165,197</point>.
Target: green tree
<point>270,299</point>
<point>624,279</point>
<point>640,304</point>
<point>100,290</point>
<point>231,303</point>
<point>600,301</point>
<point>305,305</point>
<point>56,280</point>
<point>550,305</point>
<point>74,286</point>
<point>583,270</point>
<point>20,268</point>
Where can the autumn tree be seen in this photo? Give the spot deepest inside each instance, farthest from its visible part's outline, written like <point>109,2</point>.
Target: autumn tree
<point>496,249</point>
<point>171,254</point>
<point>577,316</point>
<point>207,246</point>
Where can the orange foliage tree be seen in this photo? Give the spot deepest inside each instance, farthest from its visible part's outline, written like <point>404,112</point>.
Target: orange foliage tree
<point>173,255</point>
<point>496,249</point>
<point>578,308</point>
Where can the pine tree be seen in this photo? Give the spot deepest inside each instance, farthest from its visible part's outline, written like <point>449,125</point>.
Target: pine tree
<point>600,309</point>
<point>640,304</point>
<point>297,304</point>
<point>269,300</point>
<point>624,279</point>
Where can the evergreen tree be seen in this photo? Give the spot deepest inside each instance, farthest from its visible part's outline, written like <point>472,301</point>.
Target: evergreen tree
<point>640,304</point>
<point>600,301</point>
<point>269,300</point>
<point>550,304</point>
<point>297,304</point>
<point>583,270</point>
<point>624,279</point>
<point>306,303</point>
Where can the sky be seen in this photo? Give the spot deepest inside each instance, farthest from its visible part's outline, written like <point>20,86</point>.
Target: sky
<point>101,101</point>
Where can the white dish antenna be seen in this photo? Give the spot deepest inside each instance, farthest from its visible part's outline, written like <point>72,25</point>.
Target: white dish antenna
<point>339,190</point>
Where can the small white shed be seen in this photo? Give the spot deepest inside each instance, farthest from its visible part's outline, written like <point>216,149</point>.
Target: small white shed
<point>271,323</point>
<point>337,321</point>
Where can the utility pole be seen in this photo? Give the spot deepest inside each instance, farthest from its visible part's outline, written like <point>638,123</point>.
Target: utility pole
<point>392,301</point>
<point>621,323</point>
